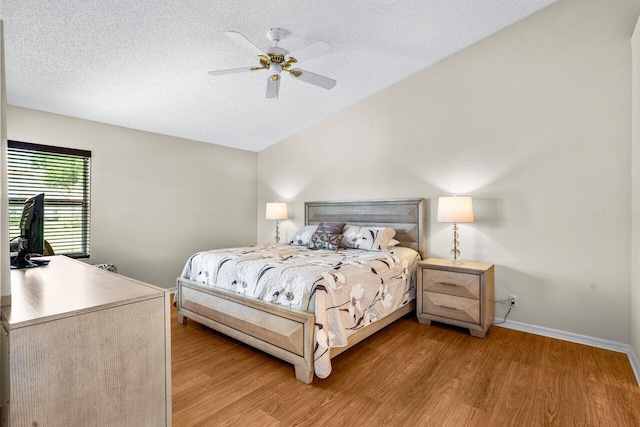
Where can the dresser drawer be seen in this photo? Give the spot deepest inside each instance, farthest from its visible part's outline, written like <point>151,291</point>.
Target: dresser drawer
<point>451,283</point>
<point>452,307</point>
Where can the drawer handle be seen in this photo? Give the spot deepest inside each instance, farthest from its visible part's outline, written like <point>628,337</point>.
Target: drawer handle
<point>447,284</point>
<point>446,306</point>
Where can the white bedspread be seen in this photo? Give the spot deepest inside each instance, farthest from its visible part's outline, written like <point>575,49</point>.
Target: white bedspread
<point>346,290</point>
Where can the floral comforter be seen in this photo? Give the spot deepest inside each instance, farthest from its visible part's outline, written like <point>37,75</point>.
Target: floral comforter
<point>346,290</point>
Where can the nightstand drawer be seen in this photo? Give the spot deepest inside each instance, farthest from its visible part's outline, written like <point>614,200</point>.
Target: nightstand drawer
<point>451,283</point>
<point>452,307</point>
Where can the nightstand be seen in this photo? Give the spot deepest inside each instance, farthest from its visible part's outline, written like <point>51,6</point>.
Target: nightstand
<point>457,294</point>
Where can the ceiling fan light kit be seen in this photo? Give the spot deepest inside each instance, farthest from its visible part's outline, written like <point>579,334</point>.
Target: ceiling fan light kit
<point>278,60</point>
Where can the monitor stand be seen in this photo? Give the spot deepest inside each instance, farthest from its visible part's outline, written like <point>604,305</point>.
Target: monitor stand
<point>22,261</point>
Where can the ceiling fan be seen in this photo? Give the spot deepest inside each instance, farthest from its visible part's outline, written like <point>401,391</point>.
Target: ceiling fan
<point>276,60</point>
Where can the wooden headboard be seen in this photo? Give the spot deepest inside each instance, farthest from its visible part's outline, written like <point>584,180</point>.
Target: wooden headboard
<point>406,216</point>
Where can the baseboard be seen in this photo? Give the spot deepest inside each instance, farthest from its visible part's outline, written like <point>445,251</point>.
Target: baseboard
<point>635,364</point>
<point>565,336</point>
<point>576,338</point>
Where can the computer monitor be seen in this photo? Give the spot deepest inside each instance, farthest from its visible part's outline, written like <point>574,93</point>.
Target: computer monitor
<point>31,240</point>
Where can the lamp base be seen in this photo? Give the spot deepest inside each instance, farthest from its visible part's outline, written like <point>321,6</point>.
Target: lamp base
<point>277,232</point>
<point>455,252</point>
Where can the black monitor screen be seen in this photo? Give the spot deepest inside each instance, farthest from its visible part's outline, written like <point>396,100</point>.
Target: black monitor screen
<point>31,240</point>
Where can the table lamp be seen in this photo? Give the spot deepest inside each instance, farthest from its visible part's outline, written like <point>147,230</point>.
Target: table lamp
<point>455,209</point>
<point>276,211</point>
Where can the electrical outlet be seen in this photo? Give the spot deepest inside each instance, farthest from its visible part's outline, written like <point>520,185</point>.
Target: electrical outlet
<point>514,300</point>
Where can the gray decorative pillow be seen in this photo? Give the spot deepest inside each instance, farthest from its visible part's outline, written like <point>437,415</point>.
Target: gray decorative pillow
<point>330,227</point>
<point>329,241</point>
<point>367,238</point>
<point>303,236</point>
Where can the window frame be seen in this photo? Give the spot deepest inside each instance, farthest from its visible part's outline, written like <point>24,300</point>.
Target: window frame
<point>86,189</point>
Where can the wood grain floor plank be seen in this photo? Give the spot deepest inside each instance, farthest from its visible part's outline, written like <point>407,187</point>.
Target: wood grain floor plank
<point>405,374</point>
<point>254,417</point>
<point>518,403</point>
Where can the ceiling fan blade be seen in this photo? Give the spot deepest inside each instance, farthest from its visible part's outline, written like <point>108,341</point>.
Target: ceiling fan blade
<point>312,51</point>
<point>244,42</point>
<point>230,71</point>
<point>273,86</point>
<point>314,79</point>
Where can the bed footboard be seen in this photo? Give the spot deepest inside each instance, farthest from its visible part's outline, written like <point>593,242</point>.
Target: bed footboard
<point>279,331</point>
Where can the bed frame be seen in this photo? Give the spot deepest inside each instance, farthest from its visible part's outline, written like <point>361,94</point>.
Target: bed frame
<point>289,334</point>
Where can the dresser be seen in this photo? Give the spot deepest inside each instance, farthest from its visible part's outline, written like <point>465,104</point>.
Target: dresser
<point>84,347</point>
<point>457,294</point>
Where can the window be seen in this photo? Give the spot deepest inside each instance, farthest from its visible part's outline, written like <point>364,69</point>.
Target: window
<point>63,174</point>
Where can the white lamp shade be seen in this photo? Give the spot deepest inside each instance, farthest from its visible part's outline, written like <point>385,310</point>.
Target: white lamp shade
<point>455,209</point>
<point>276,211</point>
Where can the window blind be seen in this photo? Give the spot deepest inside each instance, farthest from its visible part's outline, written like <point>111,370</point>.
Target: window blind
<point>63,174</point>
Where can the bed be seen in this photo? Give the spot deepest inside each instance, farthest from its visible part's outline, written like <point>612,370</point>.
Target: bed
<point>286,322</point>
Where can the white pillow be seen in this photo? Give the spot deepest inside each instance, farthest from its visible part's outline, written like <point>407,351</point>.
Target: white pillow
<point>367,238</point>
<point>393,242</point>
<point>303,236</point>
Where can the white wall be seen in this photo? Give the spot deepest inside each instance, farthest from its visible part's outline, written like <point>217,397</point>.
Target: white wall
<point>5,274</point>
<point>635,194</point>
<point>155,200</point>
<point>535,124</point>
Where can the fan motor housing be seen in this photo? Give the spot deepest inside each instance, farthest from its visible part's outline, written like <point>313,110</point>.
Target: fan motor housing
<point>277,58</point>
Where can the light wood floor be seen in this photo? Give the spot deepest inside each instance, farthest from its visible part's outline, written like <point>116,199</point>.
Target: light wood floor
<point>407,374</point>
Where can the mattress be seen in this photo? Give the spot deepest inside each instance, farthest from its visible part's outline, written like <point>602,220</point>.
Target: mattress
<point>346,290</point>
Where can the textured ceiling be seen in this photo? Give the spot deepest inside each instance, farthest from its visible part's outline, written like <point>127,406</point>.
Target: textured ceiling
<point>143,64</point>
